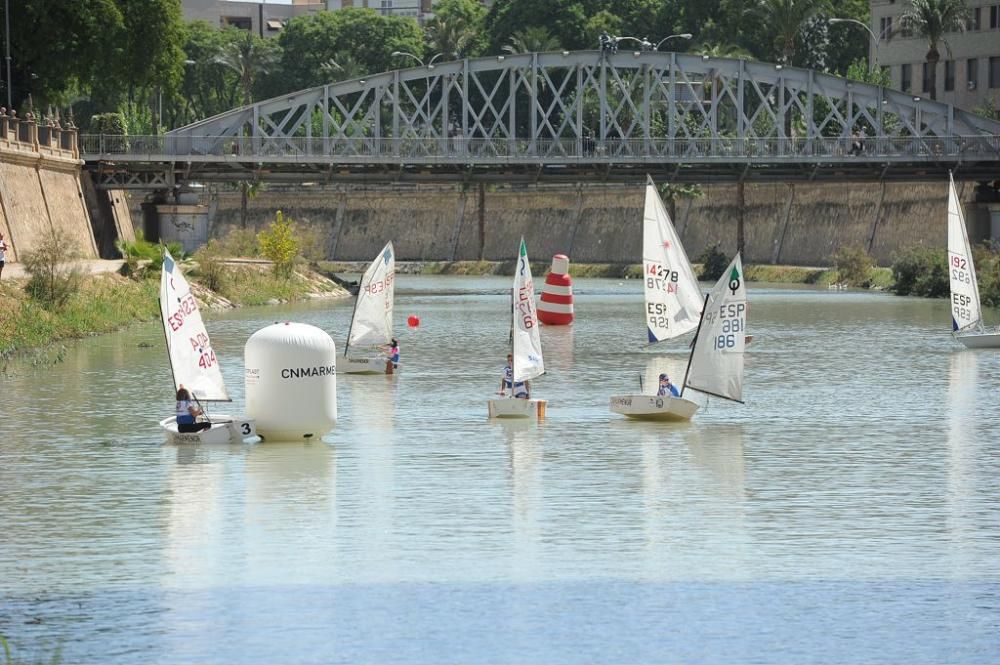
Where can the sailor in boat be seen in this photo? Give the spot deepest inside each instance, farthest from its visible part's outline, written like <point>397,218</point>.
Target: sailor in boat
<point>667,388</point>
<point>187,413</point>
<point>521,389</point>
<point>392,351</point>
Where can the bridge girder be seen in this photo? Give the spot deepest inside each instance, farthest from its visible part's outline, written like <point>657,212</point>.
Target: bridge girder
<point>575,97</point>
<point>567,116</point>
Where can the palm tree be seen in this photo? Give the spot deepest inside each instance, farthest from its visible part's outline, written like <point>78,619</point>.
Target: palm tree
<point>452,36</point>
<point>786,18</point>
<point>341,67</point>
<point>931,19</point>
<point>248,56</point>
<point>533,39</point>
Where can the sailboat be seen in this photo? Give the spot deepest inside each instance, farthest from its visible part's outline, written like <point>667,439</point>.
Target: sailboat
<point>715,366</point>
<point>193,362</point>
<point>966,311</point>
<point>371,322</point>
<point>672,297</point>
<point>526,346</point>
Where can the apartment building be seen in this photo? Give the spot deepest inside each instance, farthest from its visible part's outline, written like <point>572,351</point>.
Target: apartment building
<point>968,75</point>
<point>268,17</point>
<point>264,18</point>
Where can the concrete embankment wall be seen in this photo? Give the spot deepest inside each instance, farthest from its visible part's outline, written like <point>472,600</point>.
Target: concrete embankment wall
<point>40,190</point>
<point>800,224</point>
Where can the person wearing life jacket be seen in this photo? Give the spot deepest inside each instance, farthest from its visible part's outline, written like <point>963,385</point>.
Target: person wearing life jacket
<point>667,388</point>
<point>187,413</point>
<point>392,350</point>
<point>521,389</point>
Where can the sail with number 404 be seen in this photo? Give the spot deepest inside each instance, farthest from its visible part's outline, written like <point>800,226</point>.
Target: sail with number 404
<point>966,313</point>
<point>673,297</point>
<point>716,366</point>
<point>192,358</point>
<point>527,351</point>
<point>371,324</point>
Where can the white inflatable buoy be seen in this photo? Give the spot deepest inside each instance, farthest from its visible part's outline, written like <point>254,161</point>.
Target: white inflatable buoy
<point>291,381</point>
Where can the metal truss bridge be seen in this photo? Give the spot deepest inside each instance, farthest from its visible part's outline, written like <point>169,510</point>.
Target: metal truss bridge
<point>567,117</point>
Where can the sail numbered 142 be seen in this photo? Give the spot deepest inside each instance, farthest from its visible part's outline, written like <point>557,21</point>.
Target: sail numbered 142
<point>672,296</point>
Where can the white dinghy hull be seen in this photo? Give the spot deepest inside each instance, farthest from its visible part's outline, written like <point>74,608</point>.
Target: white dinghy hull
<point>652,407</point>
<point>224,429</point>
<point>980,341</point>
<point>507,407</point>
<point>361,365</point>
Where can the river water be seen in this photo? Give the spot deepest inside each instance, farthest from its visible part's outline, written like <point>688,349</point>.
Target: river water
<point>847,513</point>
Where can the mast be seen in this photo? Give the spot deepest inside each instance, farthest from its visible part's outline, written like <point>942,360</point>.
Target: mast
<point>694,343</point>
<point>354,312</point>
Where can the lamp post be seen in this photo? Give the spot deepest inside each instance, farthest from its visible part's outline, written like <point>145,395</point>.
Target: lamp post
<point>6,18</point>
<point>430,65</point>
<point>644,43</point>
<point>408,55</point>
<point>682,35</point>
<point>875,38</point>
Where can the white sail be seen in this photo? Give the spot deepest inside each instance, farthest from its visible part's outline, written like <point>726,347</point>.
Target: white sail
<point>192,357</point>
<point>371,324</point>
<point>716,366</point>
<point>527,349</point>
<point>965,309</point>
<point>673,298</point>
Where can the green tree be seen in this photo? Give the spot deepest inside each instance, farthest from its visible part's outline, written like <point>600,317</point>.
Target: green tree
<point>566,20</point>
<point>458,28</point>
<point>248,56</point>
<point>931,19</point>
<point>58,47</point>
<point>278,244</point>
<point>533,39</point>
<point>207,88</point>
<point>151,41</point>
<point>309,41</point>
<point>786,19</point>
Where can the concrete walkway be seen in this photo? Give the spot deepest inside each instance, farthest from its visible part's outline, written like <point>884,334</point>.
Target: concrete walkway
<point>91,266</point>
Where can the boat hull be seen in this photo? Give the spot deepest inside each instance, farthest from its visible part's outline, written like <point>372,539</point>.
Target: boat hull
<point>980,340</point>
<point>224,429</point>
<point>360,365</point>
<point>652,407</point>
<point>507,407</point>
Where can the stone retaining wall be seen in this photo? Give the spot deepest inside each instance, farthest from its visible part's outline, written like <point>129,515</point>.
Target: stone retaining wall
<point>788,224</point>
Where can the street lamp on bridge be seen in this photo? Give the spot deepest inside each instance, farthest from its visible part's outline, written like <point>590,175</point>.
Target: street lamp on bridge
<point>430,64</point>
<point>683,35</point>
<point>875,38</point>
<point>644,43</point>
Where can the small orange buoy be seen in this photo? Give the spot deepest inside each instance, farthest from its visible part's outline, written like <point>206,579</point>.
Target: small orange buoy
<point>555,307</point>
<point>413,321</point>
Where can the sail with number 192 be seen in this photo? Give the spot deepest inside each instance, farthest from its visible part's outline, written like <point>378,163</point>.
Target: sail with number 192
<point>966,311</point>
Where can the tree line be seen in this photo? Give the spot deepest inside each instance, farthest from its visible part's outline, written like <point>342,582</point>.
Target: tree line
<point>142,61</point>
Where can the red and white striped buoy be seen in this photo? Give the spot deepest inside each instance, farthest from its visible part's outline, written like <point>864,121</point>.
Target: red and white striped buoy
<point>556,305</point>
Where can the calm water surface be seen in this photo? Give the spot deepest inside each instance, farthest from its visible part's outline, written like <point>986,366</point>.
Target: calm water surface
<point>848,513</point>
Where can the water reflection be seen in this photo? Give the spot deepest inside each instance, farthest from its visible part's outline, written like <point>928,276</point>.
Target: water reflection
<point>291,495</point>
<point>522,440</point>
<point>963,383</point>
<point>557,345</point>
<point>195,518</point>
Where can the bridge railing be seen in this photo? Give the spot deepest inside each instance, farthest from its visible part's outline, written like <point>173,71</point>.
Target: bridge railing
<point>462,150</point>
